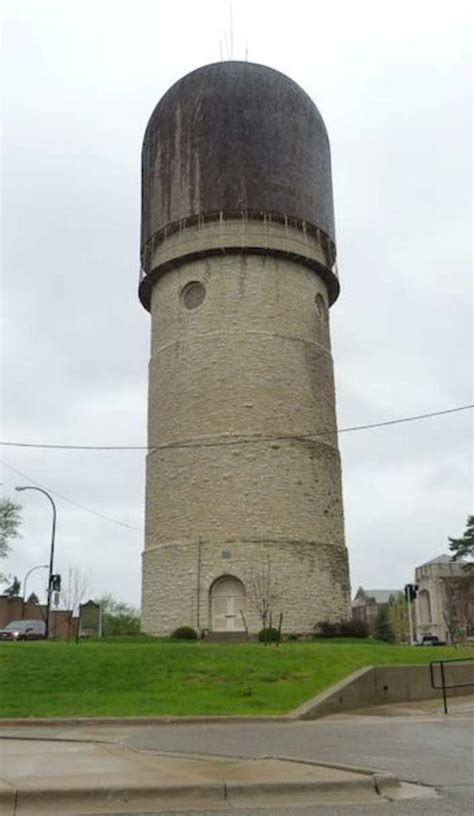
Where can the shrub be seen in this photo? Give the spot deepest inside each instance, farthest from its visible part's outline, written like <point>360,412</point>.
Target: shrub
<point>354,628</point>
<point>327,629</point>
<point>347,628</point>
<point>269,635</point>
<point>184,633</point>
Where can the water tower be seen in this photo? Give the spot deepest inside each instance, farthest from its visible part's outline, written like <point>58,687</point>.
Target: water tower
<point>238,256</point>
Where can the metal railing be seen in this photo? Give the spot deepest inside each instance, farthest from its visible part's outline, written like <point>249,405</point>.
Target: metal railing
<point>444,687</point>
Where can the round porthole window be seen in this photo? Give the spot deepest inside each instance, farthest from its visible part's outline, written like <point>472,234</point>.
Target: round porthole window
<point>193,295</point>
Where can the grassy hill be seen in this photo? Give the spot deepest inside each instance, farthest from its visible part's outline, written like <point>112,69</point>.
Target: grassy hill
<point>142,676</point>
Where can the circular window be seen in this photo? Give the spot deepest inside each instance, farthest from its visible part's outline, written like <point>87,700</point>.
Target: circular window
<point>193,294</point>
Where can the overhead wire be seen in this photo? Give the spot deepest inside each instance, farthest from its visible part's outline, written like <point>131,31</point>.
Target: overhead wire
<point>70,501</point>
<point>240,439</point>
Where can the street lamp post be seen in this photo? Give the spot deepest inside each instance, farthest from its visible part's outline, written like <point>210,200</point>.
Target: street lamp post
<point>51,555</point>
<point>40,566</point>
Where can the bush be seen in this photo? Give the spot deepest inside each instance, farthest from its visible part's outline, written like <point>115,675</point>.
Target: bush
<point>347,628</point>
<point>269,635</point>
<point>184,633</point>
<point>354,628</point>
<point>327,629</point>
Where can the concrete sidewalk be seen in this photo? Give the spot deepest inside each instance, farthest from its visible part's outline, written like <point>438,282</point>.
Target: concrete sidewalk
<point>62,775</point>
<point>65,767</point>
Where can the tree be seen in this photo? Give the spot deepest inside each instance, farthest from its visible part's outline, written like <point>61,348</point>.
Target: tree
<point>14,590</point>
<point>397,613</point>
<point>10,520</point>
<point>263,592</point>
<point>32,598</point>
<point>383,627</point>
<point>74,588</point>
<point>464,547</point>
<point>118,617</point>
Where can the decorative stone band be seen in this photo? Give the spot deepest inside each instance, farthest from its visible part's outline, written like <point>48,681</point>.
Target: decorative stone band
<point>235,233</point>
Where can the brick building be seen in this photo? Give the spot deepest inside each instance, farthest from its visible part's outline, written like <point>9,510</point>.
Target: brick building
<point>63,623</point>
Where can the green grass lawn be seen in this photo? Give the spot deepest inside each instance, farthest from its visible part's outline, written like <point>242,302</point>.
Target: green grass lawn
<point>125,677</point>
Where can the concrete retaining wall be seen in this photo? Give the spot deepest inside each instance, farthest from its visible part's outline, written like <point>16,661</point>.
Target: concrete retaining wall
<point>379,685</point>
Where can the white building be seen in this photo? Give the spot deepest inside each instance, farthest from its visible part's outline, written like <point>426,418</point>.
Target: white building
<point>443,606</point>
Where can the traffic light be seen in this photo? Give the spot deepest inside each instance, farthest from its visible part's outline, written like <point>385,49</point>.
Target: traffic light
<point>411,591</point>
<point>56,583</point>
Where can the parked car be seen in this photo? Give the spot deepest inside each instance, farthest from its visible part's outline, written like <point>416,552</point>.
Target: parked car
<point>430,640</point>
<point>24,630</point>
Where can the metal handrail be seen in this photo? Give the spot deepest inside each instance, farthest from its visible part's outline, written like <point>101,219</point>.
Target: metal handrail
<point>444,687</point>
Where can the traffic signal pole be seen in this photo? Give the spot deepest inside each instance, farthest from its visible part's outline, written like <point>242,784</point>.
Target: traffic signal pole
<point>410,619</point>
<point>410,595</point>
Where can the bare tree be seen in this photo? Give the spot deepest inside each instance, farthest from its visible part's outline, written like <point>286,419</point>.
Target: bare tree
<point>263,591</point>
<point>74,588</point>
<point>10,520</point>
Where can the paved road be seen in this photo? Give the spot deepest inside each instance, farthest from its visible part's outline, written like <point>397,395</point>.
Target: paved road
<point>438,752</point>
<point>434,751</point>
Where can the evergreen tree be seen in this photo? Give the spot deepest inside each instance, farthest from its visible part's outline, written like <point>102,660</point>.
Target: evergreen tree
<point>13,591</point>
<point>32,598</point>
<point>383,627</point>
<point>463,547</point>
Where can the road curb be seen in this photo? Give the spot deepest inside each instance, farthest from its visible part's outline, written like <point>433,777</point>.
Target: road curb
<point>29,800</point>
<point>12,722</point>
<point>134,797</point>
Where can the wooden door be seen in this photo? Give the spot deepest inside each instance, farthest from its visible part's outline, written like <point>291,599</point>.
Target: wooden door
<point>227,601</point>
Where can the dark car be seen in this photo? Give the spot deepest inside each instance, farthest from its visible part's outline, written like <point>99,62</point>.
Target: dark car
<point>430,640</point>
<point>24,630</point>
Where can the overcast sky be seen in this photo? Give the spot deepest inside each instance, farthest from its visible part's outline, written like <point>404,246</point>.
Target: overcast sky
<point>392,81</point>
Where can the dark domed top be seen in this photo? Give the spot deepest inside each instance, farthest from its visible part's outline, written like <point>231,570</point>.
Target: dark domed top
<point>232,137</point>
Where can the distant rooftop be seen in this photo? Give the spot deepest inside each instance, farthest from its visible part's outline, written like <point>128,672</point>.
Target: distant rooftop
<point>440,559</point>
<point>378,595</point>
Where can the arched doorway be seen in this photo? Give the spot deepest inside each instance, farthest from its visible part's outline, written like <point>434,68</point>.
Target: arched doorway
<point>228,600</point>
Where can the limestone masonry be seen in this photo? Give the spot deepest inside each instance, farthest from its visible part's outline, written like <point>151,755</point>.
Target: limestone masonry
<point>243,487</point>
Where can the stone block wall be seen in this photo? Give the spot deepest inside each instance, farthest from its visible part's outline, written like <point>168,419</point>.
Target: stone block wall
<point>243,429</point>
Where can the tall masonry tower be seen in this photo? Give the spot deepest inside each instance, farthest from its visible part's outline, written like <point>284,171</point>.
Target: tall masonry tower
<point>243,484</point>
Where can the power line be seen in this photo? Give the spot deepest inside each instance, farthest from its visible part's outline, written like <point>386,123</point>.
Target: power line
<point>240,440</point>
<point>195,444</point>
<point>70,501</point>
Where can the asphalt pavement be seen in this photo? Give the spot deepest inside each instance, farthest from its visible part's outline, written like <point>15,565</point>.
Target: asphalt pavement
<point>418,744</point>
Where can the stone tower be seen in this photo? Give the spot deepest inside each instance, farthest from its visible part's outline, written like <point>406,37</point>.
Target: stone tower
<point>243,484</point>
